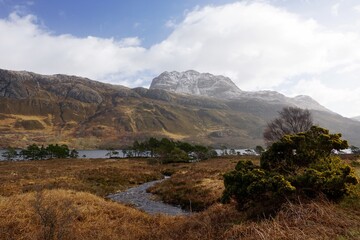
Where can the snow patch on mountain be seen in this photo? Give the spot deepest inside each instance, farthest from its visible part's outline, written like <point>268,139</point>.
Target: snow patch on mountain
<point>194,83</point>
<point>205,84</point>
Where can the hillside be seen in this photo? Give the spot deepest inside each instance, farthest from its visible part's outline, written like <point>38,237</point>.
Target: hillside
<point>88,114</point>
<point>357,118</point>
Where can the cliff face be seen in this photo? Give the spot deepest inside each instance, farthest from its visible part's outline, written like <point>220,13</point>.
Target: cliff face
<point>88,114</point>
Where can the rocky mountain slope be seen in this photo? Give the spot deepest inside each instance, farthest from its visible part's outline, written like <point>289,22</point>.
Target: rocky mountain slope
<point>195,83</point>
<point>88,114</point>
<point>205,84</point>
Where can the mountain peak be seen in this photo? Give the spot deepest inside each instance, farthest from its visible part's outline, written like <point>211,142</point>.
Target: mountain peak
<point>195,83</point>
<point>83,113</point>
<point>192,82</point>
<point>308,102</point>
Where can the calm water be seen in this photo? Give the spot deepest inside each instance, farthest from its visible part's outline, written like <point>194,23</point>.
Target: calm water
<point>97,153</point>
<point>2,158</point>
<point>102,153</point>
<point>82,154</point>
<point>141,199</point>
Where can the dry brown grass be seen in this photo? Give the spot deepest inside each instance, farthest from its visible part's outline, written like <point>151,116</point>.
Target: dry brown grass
<point>72,214</point>
<point>199,185</point>
<point>314,220</point>
<point>98,176</point>
<point>78,215</point>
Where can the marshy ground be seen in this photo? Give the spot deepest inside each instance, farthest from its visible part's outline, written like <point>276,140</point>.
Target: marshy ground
<point>65,199</point>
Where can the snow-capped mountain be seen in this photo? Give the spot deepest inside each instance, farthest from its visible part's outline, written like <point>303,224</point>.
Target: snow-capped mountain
<point>205,84</point>
<point>208,110</point>
<point>195,83</point>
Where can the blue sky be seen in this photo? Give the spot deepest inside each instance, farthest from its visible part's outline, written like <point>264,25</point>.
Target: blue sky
<point>145,19</point>
<point>295,47</point>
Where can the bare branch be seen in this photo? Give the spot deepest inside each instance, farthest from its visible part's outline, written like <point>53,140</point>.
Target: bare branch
<point>291,120</point>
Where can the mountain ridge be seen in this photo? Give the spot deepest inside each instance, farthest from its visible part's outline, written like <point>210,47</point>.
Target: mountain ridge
<point>87,114</point>
<point>192,82</point>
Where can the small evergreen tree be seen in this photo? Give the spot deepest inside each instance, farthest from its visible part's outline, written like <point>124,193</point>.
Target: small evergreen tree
<point>167,150</point>
<point>187,147</point>
<point>58,151</point>
<point>32,152</point>
<point>202,152</point>
<point>43,153</point>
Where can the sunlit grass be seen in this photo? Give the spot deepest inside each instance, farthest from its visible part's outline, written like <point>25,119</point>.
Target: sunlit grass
<point>99,176</point>
<point>59,197</point>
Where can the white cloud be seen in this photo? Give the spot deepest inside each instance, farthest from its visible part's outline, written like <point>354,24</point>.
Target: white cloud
<point>130,42</point>
<point>342,100</point>
<point>335,9</point>
<point>256,44</point>
<point>357,8</point>
<point>26,46</point>
<point>170,23</point>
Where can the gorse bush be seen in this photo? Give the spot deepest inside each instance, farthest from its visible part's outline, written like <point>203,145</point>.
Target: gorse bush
<point>298,165</point>
<point>258,191</point>
<point>300,150</point>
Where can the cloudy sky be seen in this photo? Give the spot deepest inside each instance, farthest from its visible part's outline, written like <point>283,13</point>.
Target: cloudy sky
<point>295,47</point>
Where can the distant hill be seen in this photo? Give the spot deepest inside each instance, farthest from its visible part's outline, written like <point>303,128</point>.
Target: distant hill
<point>88,114</point>
<point>356,118</point>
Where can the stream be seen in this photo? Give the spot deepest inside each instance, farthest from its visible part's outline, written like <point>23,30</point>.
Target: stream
<point>139,198</point>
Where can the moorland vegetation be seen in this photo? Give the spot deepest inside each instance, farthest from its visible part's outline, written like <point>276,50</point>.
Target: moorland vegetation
<point>297,189</point>
<point>297,166</point>
<point>64,199</point>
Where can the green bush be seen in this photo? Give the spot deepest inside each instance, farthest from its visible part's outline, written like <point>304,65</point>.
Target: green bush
<point>176,155</point>
<point>298,165</point>
<point>329,176</point>
<point>256,189</point>
<point>34,152</point>
<point>167,150</point>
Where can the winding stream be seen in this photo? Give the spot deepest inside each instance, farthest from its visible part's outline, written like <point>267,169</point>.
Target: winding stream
<point>143,200</point>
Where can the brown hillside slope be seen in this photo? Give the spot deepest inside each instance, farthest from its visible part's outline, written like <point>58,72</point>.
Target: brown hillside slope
<point>88,114</point>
